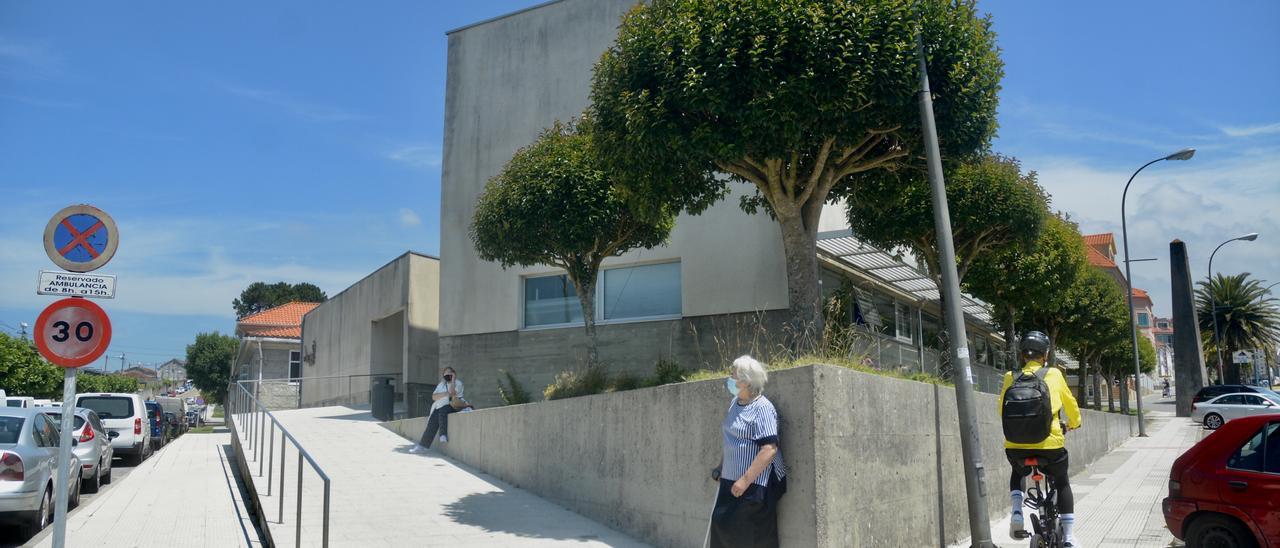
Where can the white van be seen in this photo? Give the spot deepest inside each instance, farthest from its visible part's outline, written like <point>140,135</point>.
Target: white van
<point>125,415</point>
<point>21,402</point>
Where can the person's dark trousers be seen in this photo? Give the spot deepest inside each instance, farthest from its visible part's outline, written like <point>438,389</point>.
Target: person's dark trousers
<point>1056,470</point>
<point>439,421</point>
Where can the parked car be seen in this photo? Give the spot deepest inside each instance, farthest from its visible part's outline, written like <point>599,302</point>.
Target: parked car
<point>1213,391</point>
<point>195,418</point>
<point>176,427</point>
<point>93,447</point>
<point>159,429</point>
<point>123,414</point>
<point>1225,490</point>
<point>1217,411</point>
<point>28,458</point>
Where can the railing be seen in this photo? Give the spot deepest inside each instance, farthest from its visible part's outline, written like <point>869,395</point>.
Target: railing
<point>248,417</point>
<point>320,391</point>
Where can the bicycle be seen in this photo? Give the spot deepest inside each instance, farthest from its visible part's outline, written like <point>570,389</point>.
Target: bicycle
<point>1040,495</point>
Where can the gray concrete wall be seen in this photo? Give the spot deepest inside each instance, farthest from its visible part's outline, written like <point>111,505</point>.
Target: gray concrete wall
<point>370,328</point>
<point>874,461</point>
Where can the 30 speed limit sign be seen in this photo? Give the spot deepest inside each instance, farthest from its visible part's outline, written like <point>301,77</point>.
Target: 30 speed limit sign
<point>73,332</point>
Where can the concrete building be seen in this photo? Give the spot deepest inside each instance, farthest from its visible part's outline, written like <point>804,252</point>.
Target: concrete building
<point>173,370</point>
<point>716,290</point>
<point>1163,333</point>
<point>383,327</point>
<point>1101,253</point>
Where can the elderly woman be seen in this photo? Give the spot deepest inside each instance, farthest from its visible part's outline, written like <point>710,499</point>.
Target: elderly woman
<point>751,474</point>
<point>448,400</point>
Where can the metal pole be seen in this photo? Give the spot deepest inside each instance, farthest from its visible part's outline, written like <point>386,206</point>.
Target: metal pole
<point>271,456</point>
<point>325,542</point>
<point>282,463</point>
<point>1213,309</point>
<point>262,433</point>
<point>974,476</point>
<point>61,478</point>
<point>1128,281</point>
<point>297,537</point>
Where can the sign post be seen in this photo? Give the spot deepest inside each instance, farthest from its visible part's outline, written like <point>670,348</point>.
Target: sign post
<point>74,331</point>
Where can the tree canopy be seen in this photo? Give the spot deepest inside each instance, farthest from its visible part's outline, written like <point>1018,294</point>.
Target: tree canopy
<point>994,207</point>
<point>260,296</point>
<point>23,372</point>
<point>555,204</point>
<point>791,97</point>
<point>1248,318</point>
<point>209,364</point>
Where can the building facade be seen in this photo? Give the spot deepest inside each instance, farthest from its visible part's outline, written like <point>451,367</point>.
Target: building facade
<point>173,370</point>
<point>271,343</point>
<point>382,328</point>
<point>716,290</point>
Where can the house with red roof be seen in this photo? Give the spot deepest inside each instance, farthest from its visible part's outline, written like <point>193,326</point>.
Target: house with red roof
<point>271,343</point>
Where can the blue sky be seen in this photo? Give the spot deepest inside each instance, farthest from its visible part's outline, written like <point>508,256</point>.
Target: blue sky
<point>296,141</point>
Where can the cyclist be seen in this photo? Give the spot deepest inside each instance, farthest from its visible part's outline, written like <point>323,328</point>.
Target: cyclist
<point>1031,403</point>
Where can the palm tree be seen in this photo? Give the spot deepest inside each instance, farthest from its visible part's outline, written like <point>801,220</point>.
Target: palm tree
<point>1248,317</point>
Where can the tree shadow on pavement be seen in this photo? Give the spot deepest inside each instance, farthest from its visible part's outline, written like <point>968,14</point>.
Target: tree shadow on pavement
<point>504,512</point>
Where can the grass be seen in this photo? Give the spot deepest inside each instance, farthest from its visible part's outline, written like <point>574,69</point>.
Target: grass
<point>201,430</point>
<point>217,412</point>
<point>810,359</point>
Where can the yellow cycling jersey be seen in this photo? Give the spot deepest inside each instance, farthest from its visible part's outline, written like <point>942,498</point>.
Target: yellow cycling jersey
<point>1063,401</point>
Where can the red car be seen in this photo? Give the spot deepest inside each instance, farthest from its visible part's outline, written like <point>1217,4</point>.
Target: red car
<point>1225,491</point>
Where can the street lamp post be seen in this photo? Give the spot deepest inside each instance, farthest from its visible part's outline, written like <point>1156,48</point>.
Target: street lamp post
<point>1266,361</point>
<point>1213,305</point>
<point>1184,154</point>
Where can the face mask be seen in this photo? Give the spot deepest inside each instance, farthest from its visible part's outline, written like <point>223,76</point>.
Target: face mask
<point>732,385</point>
<point>448,378</point>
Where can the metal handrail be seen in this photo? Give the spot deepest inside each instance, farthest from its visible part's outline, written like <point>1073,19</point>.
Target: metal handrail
<point>302,382</point>
<point>241,404</point>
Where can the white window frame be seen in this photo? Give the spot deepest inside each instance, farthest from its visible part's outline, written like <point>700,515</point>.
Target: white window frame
<point>293,361</point>
<point>599,298</point>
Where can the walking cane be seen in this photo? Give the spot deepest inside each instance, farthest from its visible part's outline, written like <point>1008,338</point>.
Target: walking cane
<point>715,474</point>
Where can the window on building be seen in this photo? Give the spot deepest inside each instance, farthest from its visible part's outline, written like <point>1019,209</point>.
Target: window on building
<point>930,331</point>
<point>641,291</point>
<point>887,313</point>
<point>622,293</point>
<point>550,300</point>
<point>981,351</point>
<point>295,364</point>
<point>1162,325</point>
<point>1144,319</point>
<point>904,322</point>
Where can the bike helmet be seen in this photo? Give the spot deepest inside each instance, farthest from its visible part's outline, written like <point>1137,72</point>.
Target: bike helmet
<point>1034,343</point>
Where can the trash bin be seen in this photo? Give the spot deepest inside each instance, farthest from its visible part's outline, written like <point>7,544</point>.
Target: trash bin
<point>383,398</point>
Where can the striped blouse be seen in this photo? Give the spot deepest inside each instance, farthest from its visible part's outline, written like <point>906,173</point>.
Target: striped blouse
<point>746,428</point>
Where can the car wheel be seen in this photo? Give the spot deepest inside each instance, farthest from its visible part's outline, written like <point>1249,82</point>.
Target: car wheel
<point>41,518</point>
<point>106,477</point>
<point>1213,421</point>
<point>1215,531</point>
<point>95,480</point>
<point>74,500</point>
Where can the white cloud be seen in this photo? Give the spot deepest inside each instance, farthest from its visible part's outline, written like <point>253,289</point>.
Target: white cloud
<point>421,156</point>
<point>1250,131</point>
<point>292,105</point>
<point>1202,202</point>
<point>408,218</point>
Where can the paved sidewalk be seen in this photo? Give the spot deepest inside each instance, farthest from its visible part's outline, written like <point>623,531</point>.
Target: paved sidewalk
<point>185,495</point>
<point>381,495</point>
<point>1118,497</point>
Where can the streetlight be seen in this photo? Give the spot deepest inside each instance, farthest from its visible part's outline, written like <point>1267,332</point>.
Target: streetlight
<point>1184,154</point>
<point>1213,305</point>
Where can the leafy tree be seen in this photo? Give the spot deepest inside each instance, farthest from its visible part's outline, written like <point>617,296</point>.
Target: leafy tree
<point>993,207</point>
<point>1094,325</point>
<point>555,204</point>
<point>792,97</point>
<point>23,372</point>
<point>1248,318</point>
<point>105,383</point>
<point>209,363</point>
<point>260,296</point>
<point>1031,282</point>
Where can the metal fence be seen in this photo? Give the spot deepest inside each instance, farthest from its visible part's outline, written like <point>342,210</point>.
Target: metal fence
<point>321,391</point>
<point>254,426</point>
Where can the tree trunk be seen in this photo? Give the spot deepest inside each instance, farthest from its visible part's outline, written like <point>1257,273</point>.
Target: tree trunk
<point>586,296</point>
<point>1230,369</point>
<point>1111,394</point>
<point>803,294</point>
<point>1011,341</point>
<point>1053,344</point>
<point>1082,380</point>
<point>1097,389</point>
<point>1124,394</point>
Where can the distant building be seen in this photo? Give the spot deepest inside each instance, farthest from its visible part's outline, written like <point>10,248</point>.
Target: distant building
<point>145,375</point>
<point>271,343</point>
<point>1164,346</point>
<point>173,370</point>
<point>1101,253</point>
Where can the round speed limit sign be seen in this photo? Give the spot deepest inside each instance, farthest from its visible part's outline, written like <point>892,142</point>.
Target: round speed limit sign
<point>72,332</point>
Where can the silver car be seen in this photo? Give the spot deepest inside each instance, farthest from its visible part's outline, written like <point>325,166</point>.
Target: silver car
<point>1217,411</point>
<point>93,448</point>
<point>28,457</point>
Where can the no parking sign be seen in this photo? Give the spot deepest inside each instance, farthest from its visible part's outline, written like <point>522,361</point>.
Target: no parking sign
<point>81,238</point>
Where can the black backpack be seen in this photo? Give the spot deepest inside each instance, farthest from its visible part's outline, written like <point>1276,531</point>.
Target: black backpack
<point>1027,408</point>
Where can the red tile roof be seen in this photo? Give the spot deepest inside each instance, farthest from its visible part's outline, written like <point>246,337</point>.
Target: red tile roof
<point>1106,238</point>
<point>1140,294</point>
<point>1096,258</point>
<point>284,321</point>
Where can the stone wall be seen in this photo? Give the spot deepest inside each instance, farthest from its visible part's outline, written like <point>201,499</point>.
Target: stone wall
<point>863,452</point>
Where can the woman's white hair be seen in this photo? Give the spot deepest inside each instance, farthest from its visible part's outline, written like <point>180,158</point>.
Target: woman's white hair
<point>752,372</point>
